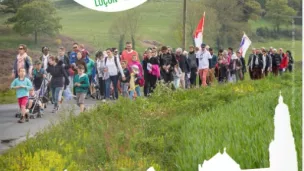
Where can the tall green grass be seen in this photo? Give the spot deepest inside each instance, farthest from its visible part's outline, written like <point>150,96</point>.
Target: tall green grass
<point>172,130</point>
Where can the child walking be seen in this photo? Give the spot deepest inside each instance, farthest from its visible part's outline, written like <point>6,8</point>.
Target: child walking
<point>177,73</point>
<point>134,82</point>
<point>39,75</point>
<point>125,83</point>
<point>82,84</point>
<point>22,86</point>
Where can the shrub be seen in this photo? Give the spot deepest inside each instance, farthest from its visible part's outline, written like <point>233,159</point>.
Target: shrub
<point>170,130</point>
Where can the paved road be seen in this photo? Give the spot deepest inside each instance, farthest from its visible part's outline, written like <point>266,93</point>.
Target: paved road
<point>12,132</point>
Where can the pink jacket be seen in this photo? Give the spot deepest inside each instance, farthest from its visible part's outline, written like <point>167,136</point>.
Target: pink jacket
<point>155,71</point>
<point>137,64</point>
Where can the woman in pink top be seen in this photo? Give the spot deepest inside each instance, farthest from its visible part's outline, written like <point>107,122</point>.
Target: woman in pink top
<point>135,61</point>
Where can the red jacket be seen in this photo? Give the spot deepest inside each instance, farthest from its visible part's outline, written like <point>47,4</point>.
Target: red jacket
<point>284,62</point>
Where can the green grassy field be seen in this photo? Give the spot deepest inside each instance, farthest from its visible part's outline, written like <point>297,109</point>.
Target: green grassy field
<point>92,28</point>
<point>172,130</point>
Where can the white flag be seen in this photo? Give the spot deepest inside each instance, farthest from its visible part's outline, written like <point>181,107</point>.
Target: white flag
<point>245,43</point>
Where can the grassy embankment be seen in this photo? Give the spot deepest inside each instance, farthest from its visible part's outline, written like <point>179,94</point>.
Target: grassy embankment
<point>170,130</point>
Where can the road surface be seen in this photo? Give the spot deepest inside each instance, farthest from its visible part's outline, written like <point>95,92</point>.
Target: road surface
<point>12,132</point>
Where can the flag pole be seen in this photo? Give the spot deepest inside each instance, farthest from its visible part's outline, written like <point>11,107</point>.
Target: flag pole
<point>203,28</point>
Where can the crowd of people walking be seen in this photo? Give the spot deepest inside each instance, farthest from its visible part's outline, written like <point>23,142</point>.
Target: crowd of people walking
<point>76,74</point>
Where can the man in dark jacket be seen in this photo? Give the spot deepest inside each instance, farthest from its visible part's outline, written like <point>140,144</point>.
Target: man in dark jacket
<point>257,66</point>
<point>276,61</point>
<point>183,64</point>
<point>243,69</point>
<point>167,63</point>
<point>251,56</point>
<point>192,61</point>
<point>268,65</point>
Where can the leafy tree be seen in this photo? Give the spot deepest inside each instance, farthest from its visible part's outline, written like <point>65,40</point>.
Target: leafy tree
<point>118,32</point>
<point>279,13</point>
<point>126,24</point>
<point>132,17</point>
<point>12,6</point>
<point>251,9</point>
<point>37,17</point>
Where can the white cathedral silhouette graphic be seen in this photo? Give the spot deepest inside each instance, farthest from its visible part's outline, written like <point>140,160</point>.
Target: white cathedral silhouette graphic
<point>282,150</point>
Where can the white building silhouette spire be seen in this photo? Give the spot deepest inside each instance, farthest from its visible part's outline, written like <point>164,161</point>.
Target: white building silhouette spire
<point>282,149</point>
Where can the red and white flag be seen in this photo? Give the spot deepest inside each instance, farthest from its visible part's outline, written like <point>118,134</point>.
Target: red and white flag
<point>198,34</point>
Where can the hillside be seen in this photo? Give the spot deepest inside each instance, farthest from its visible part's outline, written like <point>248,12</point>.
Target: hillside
<point>156,24</point>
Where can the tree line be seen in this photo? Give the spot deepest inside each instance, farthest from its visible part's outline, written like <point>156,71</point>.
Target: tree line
<point>225,19</point>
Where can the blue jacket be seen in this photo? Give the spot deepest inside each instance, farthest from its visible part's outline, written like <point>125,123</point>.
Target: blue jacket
<point>22,92</point>
<point>73,57</point>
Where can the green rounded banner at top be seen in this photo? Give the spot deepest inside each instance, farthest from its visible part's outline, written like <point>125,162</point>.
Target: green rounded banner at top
<point>110,5</point>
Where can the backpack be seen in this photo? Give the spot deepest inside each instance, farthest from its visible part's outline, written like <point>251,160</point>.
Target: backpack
<point>115,60</point>
<point>290,59</point>
<point>141,81</point>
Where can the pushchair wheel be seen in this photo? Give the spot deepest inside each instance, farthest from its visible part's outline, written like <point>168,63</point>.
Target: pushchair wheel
<point>17,115</point>
<point>32,117</point>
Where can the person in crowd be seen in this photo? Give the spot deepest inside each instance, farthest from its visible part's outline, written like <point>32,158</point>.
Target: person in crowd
<point>22,86</point>
<point>59,80</point>
<point>203,64</point>
<point>128,54</point>
<point>80,61</point>
<point>151,72</point>
<point>22,61</point>
<point>167,63</point>
<point>284,62</point>
<point>66,64</point>
<point>276,61</point>
<point>212,63</point>
<point>134,82</point>
<point>222,63</point>
<point>270,51</point>
<point>64,58</point>
<point>39,74</point>
<point>188,74</point>
<point>112,68</point>
<point>290,61</point>
<point>115,53</point>
<point>243,69</point>
<point>230,53</point>
<point>136,62</point>
<point>249,62</point>
<point>257,65</point>
<point>268,63</point>
<point>170,50</point>
<point>192,61</point>
<point>90,64</point>
<point>45,57</point>
<point>216,70</point>
<point>73,59</point>
<point>184,66</point>
<point>82,84</point>
<point>235,66</point>
<point>125,83</point>
<point>31,101</point>
<point>82,49</point>
<point>100,72</point>
<point>177,74</point>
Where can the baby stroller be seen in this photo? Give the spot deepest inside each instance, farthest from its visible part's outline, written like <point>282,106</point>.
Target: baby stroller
<point>41,97</point>
<point>96,85</point>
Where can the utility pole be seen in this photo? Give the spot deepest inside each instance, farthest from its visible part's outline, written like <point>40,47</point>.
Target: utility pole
<point>184,24</point>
